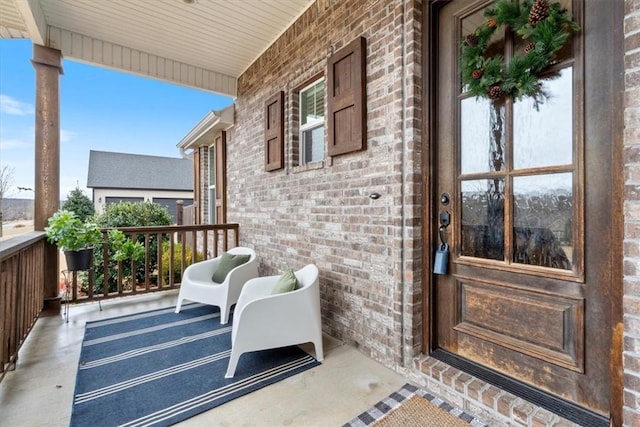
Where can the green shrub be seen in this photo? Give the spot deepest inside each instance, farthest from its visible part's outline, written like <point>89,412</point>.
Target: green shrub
<point>177,261</point>
<point>125,248</point>
<point>128,214</point>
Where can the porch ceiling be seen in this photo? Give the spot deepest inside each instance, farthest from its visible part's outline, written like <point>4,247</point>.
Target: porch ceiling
<point>205,44</point>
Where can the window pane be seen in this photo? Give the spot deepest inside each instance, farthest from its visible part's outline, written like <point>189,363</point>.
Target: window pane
<point>212,166</point>
<point>482,136</point>
<point>483,218</point>
<point>543,134</point>
<point>543,220</point>
<point>313,140</point>
<point>312,104</point>
<point>496,42</point>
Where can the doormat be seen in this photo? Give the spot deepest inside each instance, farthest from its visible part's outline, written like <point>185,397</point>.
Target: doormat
<point>158,367</point>
<point>412,406</point>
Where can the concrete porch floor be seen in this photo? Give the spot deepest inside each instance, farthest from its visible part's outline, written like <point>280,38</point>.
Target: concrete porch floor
<point>39,392</point>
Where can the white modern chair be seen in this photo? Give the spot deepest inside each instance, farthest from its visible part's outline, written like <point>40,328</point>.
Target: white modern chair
<point>198,286</point>
<point>262,321</point>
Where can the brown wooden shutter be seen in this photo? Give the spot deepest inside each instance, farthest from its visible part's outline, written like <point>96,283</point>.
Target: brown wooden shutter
<point>274,132</point>
<point>220,203</point>
<point>346,93</point>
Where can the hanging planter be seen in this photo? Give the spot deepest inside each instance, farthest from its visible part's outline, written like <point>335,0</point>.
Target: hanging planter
<point>74,237</point>
<point>79,260</point>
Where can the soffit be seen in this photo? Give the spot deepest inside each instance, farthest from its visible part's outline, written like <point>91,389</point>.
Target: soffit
<point>206,44</point>
<point>12,25</point>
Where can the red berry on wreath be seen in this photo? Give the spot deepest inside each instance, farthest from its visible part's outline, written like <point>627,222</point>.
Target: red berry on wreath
<point>492,22</point>
<point>476,74</point>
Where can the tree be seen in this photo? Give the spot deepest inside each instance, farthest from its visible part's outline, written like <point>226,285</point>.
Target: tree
<point>80,204</point>
<point>6,179</point>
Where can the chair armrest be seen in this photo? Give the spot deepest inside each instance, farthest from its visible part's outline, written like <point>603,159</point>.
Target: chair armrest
<point>254,289</point>
<point>203,270</point>
<point>259,313</point>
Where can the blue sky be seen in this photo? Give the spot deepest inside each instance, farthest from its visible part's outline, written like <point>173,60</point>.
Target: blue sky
<point>100,109</point>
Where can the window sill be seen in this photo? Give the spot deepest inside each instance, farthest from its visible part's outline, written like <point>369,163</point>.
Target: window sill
<point>309,166</point>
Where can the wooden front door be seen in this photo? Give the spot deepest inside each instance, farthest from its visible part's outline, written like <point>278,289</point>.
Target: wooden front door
<point>528,191</point>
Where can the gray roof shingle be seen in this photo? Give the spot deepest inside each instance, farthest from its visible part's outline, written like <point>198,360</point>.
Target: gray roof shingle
<point>136,171</point>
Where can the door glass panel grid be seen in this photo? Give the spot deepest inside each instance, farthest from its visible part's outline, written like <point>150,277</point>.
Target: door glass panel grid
<point>521,138</point>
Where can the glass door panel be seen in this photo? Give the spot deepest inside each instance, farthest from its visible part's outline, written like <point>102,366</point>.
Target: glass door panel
<point>483,218</point>
<point>543,220</point>
<point>482,136</point>
<point>543,133</point>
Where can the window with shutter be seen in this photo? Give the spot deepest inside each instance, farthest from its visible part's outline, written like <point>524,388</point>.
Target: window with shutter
<point>274,132</point>
<point>311,123</point>
<point>346,82</point>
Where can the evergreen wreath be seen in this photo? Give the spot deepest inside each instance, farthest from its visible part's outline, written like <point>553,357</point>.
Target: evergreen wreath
<point>545,26</point>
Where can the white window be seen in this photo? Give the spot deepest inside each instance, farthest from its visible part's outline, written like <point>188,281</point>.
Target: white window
<point>212,185</point>
<point>312,122</point>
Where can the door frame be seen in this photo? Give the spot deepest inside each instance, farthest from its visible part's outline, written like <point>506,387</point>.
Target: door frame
<point>430,225</point>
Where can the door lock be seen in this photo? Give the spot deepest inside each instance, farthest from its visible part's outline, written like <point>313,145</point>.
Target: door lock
<point>445,219</point>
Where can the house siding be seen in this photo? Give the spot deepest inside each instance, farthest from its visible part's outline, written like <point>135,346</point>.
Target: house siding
<point>631,251</point>
<point>370,251</point>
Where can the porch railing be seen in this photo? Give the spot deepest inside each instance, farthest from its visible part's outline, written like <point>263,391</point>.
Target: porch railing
<point>21,292</point>
<point>168,252</point>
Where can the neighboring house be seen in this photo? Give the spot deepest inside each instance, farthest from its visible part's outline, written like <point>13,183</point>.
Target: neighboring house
<point>354,146</point>
<point>205,144</point>
<point>121,177</point>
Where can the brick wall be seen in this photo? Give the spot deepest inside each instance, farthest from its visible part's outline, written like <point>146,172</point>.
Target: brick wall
<point>365,249</point>
<point>631,305</point>
<point>369,251</point>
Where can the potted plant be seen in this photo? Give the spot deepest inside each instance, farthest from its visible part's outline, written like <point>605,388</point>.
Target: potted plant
<point>74,237</point>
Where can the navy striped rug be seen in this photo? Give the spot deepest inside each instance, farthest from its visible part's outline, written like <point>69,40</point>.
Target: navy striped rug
<point>158,368</point>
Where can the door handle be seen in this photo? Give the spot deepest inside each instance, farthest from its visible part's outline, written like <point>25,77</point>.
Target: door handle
<point>442,253</point>
<point>445,220</point>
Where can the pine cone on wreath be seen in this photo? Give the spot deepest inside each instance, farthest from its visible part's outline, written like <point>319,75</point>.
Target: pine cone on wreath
<point>539,12</point>
<point>476,74</point>
<point>495,92</point>
<point>529,47</point>
<point>471,39</point>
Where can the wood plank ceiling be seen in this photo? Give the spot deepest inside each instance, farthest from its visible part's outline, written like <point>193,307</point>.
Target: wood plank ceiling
<point>203,43</point>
